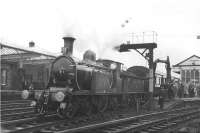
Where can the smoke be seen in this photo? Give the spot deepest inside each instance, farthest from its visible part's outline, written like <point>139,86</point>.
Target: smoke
<point>88,38</point>
<point>92,35</point>
<point>101,40</point>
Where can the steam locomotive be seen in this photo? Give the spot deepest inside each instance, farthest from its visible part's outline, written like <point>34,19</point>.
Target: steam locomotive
<point>89,85</point>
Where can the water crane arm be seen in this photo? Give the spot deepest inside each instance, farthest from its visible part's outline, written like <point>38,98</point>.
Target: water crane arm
<point>168,68</point>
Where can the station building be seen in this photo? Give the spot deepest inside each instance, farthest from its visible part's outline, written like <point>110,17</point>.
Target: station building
<point>189,69</point>
<point>22,66</point>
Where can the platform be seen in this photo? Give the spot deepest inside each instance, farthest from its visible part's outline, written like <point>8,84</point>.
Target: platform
<point>191,99</point>
<point>177,102</point>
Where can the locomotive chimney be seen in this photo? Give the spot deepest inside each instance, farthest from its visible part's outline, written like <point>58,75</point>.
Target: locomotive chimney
<point>68,46</point>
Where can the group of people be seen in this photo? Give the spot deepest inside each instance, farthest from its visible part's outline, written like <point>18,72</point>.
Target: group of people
<point>177,90</point>
<point>190,90</point>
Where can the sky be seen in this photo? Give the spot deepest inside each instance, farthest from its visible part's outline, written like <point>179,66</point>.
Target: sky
<point>100,25</point>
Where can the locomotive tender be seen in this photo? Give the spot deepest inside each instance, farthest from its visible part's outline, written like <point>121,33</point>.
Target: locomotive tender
<point>89,85</point>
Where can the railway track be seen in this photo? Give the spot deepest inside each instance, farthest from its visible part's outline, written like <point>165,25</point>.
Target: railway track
<point>15,116</point>
<point>37,122</point>
<point>11,110</point>
<point>15,104</point>
<point>15,110</point>
<point>14,101</point>
<point>144,126</point>
<point>148,122</point>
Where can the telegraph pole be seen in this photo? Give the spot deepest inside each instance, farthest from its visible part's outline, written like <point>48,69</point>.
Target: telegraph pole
<point>151,71</point>
<point>151,78</point>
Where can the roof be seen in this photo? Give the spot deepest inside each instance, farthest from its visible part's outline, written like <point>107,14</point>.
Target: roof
<point>131,75</point>
<point>110,61</point>
<point>14,53</point>
<point>184,61</point>
<point>139,71</point>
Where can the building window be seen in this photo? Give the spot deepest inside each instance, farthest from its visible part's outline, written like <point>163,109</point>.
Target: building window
<point>164,80</point>
<point>183,75</point>
<point>3,77</point>
<point>192,74</point>
<point>159,81</point>
<point>28,78</point>
<point>197,76</point>
<point>187,76</point>
<point>47,70</point>
<point>40,76</point>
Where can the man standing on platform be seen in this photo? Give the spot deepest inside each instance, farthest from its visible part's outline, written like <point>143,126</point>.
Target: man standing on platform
<point>161,97</point>
<point>180,91</point>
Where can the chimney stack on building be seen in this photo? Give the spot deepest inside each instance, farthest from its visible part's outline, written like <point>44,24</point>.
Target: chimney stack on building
<point>31,44</point>
<point>68,46</point>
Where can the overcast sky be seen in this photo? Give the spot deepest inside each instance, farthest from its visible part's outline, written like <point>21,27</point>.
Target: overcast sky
<point>97,25</point>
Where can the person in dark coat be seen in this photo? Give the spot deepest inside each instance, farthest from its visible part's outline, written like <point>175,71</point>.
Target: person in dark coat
<point>191,90</point>
<point>161,98</point>
<point>180,92</point>
<point>170,91</point>
<point>198,90</point>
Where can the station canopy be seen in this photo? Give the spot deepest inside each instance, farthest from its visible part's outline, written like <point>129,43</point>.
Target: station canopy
<point>28,55</point>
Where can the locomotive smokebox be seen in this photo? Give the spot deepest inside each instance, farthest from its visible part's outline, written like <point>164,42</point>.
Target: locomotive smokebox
<point>68,46</point>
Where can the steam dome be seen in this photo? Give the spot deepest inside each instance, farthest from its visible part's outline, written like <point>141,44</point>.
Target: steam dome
<point>89,55</point>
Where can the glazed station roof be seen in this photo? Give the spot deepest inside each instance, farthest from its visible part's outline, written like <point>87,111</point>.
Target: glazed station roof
<point>16,53</point>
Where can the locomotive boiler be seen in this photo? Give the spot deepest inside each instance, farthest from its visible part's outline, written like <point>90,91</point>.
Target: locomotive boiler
<point>89,85</point>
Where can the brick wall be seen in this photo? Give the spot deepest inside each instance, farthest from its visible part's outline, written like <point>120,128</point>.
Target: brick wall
<point>13,79</point>
<point>37,74</point>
